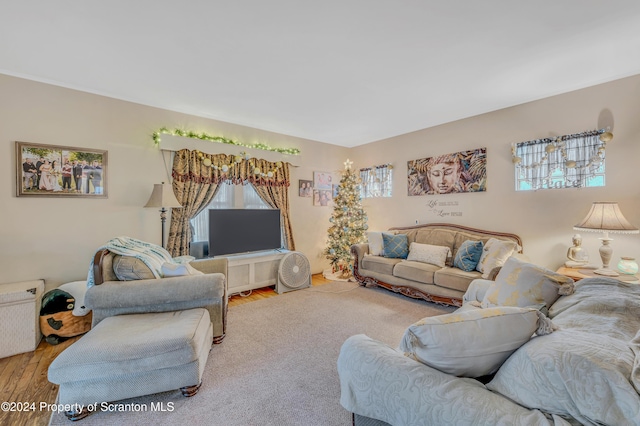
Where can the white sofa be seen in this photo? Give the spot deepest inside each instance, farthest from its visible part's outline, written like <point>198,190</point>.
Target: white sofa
<point>585,372</point>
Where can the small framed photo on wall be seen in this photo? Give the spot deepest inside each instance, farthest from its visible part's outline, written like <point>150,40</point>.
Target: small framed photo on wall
<point>60,171</point>
<point>322,180</point>
<point>322,197</point>
<point>305,188</point>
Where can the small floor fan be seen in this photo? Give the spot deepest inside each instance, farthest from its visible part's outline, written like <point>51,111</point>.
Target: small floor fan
<point>294,273</point>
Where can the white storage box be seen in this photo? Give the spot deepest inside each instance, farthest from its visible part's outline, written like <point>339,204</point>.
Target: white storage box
<point>19,316</point>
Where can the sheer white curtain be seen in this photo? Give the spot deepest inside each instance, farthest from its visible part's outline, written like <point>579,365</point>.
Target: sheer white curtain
<point>377,181</point>
<point>571,161</point>
<point>251,199</point>
<point>224,199</point>
<point>588,153</point>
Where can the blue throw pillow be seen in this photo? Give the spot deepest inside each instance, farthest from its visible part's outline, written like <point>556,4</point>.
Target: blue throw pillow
<point>395,246</point>
<point>468,255</point>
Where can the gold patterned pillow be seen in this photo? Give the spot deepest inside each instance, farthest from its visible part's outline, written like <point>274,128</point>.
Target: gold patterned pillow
<point>472,342</point>
<point>524,284</point>
<point>494,254</point>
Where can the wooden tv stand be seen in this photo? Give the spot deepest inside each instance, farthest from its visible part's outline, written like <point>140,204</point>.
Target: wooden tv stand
<point>249,271</point>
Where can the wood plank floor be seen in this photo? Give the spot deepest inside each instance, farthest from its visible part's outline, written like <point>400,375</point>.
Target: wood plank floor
<point>23,377</point>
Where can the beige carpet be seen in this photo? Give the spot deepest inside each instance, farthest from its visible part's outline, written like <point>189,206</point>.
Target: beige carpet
<point>277,364</point>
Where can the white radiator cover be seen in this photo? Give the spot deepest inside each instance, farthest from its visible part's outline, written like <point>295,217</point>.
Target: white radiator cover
<point>19,316</point>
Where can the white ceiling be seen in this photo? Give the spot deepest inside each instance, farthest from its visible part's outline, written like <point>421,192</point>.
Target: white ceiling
<point>345,72</point>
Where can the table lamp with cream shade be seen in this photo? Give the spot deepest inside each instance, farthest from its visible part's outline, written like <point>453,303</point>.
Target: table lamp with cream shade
<point>606,217</point>
<point>163,196</point>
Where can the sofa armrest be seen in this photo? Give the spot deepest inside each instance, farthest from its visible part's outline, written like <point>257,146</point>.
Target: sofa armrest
<point>359,250</point>
<point>379,382</point>
<point>155,295</point>
<point>212,265</point>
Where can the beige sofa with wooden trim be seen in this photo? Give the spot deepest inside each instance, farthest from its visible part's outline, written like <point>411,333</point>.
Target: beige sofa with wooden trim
<point>422,280</point>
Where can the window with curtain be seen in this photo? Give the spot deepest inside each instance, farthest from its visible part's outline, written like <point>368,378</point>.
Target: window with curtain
<point>225,198</point>
<point>570,161</point>
<point>377,181</point>
<point>251,199</point>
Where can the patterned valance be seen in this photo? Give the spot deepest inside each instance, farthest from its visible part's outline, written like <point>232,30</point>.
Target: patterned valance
<point>200,167</point>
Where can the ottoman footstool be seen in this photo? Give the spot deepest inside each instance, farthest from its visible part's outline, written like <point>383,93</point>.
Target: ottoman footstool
<point>126,356</point>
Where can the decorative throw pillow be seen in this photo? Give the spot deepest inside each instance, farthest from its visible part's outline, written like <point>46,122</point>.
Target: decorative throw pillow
<point>524,284</point>
<point>178,270</point>
<point>468,255</point>
<point>375,243</point>
<point>395,246</point>
<point>129,268</point>
<point>575,374</point>
<point>427,253</point>
<point>494,254</point>
<point>472,342</point>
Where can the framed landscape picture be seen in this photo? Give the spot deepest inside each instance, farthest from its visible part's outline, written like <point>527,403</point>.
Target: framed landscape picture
<point>60,171</point>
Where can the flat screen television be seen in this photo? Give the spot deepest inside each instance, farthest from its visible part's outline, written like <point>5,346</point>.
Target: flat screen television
<point>234,231</point>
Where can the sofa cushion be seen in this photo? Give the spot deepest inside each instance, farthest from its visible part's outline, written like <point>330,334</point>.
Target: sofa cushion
<point>395,246</point>
<point>107,268</point>
<point>461,237</point>
<point>415,271</point>
<point>437,237</point>
<point>468,255</point>
<point>129,268</point>
<point>454,278</point>
<point>379,264</point>
<point>524,284</point>
<point>472,342</point>
<point>494,254</point>
<point>427,253</point>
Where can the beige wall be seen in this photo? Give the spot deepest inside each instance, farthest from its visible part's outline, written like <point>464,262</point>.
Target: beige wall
<point>544,219</point>
<point>55,238</point>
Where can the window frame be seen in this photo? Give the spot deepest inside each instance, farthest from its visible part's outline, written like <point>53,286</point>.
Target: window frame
<point>570,161</point>
<point>376,181</point>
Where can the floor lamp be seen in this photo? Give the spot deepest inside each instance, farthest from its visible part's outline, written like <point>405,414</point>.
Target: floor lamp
<point>163,196</point>
<point>606,217</point>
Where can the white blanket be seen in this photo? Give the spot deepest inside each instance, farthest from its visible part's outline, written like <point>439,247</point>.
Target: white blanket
<point>152,255</point>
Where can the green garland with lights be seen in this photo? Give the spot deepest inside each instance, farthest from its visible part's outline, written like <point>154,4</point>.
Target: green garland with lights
<point>220,139</point>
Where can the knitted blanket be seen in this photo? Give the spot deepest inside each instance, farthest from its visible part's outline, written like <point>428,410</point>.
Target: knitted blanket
<point>152,255</point>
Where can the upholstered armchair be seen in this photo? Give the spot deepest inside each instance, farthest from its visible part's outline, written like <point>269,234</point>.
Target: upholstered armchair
<point>138,291</point>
